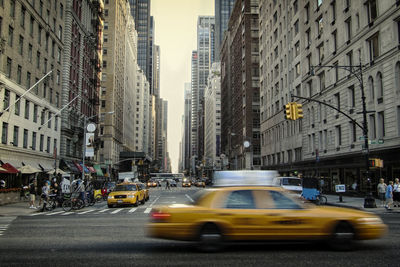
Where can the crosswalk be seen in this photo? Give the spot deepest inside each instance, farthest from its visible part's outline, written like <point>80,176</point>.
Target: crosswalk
<point>5,222</point>
<point>99,211</point>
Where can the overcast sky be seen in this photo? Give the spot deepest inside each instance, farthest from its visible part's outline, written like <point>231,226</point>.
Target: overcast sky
<point>175,33</point>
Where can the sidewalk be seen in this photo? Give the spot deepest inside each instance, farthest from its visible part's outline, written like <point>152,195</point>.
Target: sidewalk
<point>17,209</point>
<point>358,202</point>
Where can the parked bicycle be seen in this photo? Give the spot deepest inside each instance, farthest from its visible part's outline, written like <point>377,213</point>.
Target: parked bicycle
<point>72,202</point>
<point>49,203</point>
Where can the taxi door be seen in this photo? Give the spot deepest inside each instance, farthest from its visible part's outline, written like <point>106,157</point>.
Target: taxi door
<point>239,212</point>
<point>283,217</point>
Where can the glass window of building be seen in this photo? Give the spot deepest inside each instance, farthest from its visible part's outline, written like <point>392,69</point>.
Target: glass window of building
<point>15,138</point>
<point>25,141</point>
<point>4,133</point>
<point>33,141</point>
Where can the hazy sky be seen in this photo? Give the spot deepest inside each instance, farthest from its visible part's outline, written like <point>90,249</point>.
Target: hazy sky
<point>175,33</point>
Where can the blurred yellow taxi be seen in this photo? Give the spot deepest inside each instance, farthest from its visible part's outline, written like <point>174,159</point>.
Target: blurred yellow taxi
<point>186,182</point>
<point>125,194</point>
<point>145,190</point>
<point>260,212</point>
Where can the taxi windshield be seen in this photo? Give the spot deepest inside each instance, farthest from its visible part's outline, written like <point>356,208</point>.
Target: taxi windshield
<point>125,187</point>
<point>196,197</point>
<point>291,181</point>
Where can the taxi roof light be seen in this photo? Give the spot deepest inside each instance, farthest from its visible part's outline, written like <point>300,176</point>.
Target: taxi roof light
<point>245,178</point>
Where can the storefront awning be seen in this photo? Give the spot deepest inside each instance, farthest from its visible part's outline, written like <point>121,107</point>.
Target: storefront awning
<point>46,165</point>
<point>91,169</point>
<point>79,167</point>
<point>68,166</point>
<point>99,172</point>
<point>8,168</point>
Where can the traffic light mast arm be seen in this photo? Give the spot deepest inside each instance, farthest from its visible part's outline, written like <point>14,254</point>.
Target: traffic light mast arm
<point>338,110</point>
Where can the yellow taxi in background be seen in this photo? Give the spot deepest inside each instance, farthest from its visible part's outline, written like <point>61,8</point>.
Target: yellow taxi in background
<point>145,190</point>
<point>255,211</point>
<point>151,184</point>
<point>186,182</point>
<point>200,183</point>
<point>126,194</point>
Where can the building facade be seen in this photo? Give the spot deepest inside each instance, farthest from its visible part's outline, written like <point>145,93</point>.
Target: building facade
<point>186,139</point>
<point>320,50</point>
<point>240,90</point>
<point>223,10</point>
<point>212,118</point>
<point>31,45</point>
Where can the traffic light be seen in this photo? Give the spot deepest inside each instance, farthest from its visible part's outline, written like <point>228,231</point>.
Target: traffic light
<point>288,112</point>
<point>298,114</point>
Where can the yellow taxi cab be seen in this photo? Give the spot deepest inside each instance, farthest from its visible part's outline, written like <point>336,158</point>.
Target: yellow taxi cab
<point>257,211</point>
<point>126,194</point>
<point>186,182</point>
<point>145,190</point>
<point>151,184</point>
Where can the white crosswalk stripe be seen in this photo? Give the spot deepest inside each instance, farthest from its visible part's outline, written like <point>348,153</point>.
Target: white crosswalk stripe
<point>68,213</point>
<point>104,210</point>
<point>147,210</point>
<point>86,212</point>
<point>54,213</point>
<point>116,211</point>
<point>132,210</point>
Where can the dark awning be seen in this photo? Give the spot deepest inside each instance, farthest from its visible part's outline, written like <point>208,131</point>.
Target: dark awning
<point>68,166</point>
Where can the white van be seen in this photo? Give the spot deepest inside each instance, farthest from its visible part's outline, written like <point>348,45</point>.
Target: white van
<point>290,183</point>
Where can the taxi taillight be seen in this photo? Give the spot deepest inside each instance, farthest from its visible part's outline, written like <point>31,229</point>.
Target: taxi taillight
<point>160,216</point>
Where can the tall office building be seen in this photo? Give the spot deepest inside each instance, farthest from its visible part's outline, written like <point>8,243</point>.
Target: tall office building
<point>195,106</point>
<point>299,44</point>
<point>140,10</point>
<point>201,61</point>
<point>223,10</point>
<point>81,76</point>
<point>186,140</point>
<point>240,90</point>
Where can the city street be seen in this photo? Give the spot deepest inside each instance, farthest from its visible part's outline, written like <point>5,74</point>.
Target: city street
<point>103,237</point>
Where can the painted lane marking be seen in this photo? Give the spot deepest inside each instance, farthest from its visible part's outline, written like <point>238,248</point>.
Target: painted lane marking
<point>68,213</point>
<point>54,213</point>
<point>39,213</point>
<point>116,211</point>
<point>104,210</point>
<point>132,210</point>
<point>191,199</point>
<point>147,210</point>
<point>86,212</point>
<point>155,200</point>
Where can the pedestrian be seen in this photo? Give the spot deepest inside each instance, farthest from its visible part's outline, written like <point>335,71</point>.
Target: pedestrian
<point>382,191</point>
<point>32,193</point>
<point>396,193</point>
<point>2,184</point>
<point>167,185</point>
<point>389,195</point>
<point>45,194</point>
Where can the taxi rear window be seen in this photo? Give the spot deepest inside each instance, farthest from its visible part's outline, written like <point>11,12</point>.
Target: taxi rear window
<point>240,199</point>
<point>283,202</point>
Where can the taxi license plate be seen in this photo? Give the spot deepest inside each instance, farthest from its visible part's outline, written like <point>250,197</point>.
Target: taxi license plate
<point>119,201</point>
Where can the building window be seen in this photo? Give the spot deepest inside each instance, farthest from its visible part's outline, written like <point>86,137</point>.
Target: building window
<point>25,144</point>
<point>307,13</point>
<point>351,94</point>
<point>19,74</point>
<point>372,10</point>
<point>333,5</point>
<point>35,113</point>
<point>353,132</point>
<point>31,26</point>
<point>12,8</point>
<point>297,70</point>
<point>41,142</point>
<point>320,22</point>
<point>28,80</point>
<point>322,81</point>
<point>296,27</point>
<point>319,3</point>
<point>56,123</point>
<point>334,39</point>
<point>17,105</point>
<point>371,88</point>
<point>373,43</point>
<point>379,89</point>
<point>27,105</point>
<point>39,34</point>
<point>348,29</point>
<point>381,125</point>
<point>4,133</point>
<point>337,100</point>
<point>22,18</point>
<point>321,53</point>
<point>30,53</point>
<point>10,36</point>
<point>16,133</point>
<point>55,146</point>
<point>60,32</point>
<point>48,145</point>
<point>297,48</point>
<point>21,45</point>
<point>372,127</point>
<point>38,60</point>
<point>33,141</point>
<point>61,10</point>
<point>338,139</point>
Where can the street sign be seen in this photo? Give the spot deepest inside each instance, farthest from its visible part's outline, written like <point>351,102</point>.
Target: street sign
<point>381,141</point>
<point>362,138</point>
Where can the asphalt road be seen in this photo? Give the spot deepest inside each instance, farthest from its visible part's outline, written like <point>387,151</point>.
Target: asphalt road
<point>98,236</point>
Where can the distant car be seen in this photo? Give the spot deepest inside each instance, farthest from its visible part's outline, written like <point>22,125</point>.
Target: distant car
<point>186,183</point>
<point>292,184</point>
<point>172,183</point>
<point>200,183</point>
<point>151,184</point>
<point>126,194</point>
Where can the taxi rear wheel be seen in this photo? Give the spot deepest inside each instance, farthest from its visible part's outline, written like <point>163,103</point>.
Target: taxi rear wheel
<point>343,237</point>
<point>210,238</point>
<point>136,202</point>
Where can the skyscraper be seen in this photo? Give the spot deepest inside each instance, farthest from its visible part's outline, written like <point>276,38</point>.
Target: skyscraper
<point>223,10</point>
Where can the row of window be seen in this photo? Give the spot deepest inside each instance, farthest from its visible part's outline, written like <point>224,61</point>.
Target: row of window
<point>44,142</point>
<point>289,156</point>
<point>28,111</point>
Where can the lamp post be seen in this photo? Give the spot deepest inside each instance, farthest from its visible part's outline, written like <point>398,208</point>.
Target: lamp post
<point>356,71</point>
<point>91,129</point>
<point>246,144</point>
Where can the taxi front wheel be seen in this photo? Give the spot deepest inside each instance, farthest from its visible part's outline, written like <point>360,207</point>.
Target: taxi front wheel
<point>210,238</point>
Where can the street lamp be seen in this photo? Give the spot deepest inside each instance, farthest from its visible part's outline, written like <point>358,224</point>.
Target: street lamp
<point>90,128</point>
<point>246,144</point>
